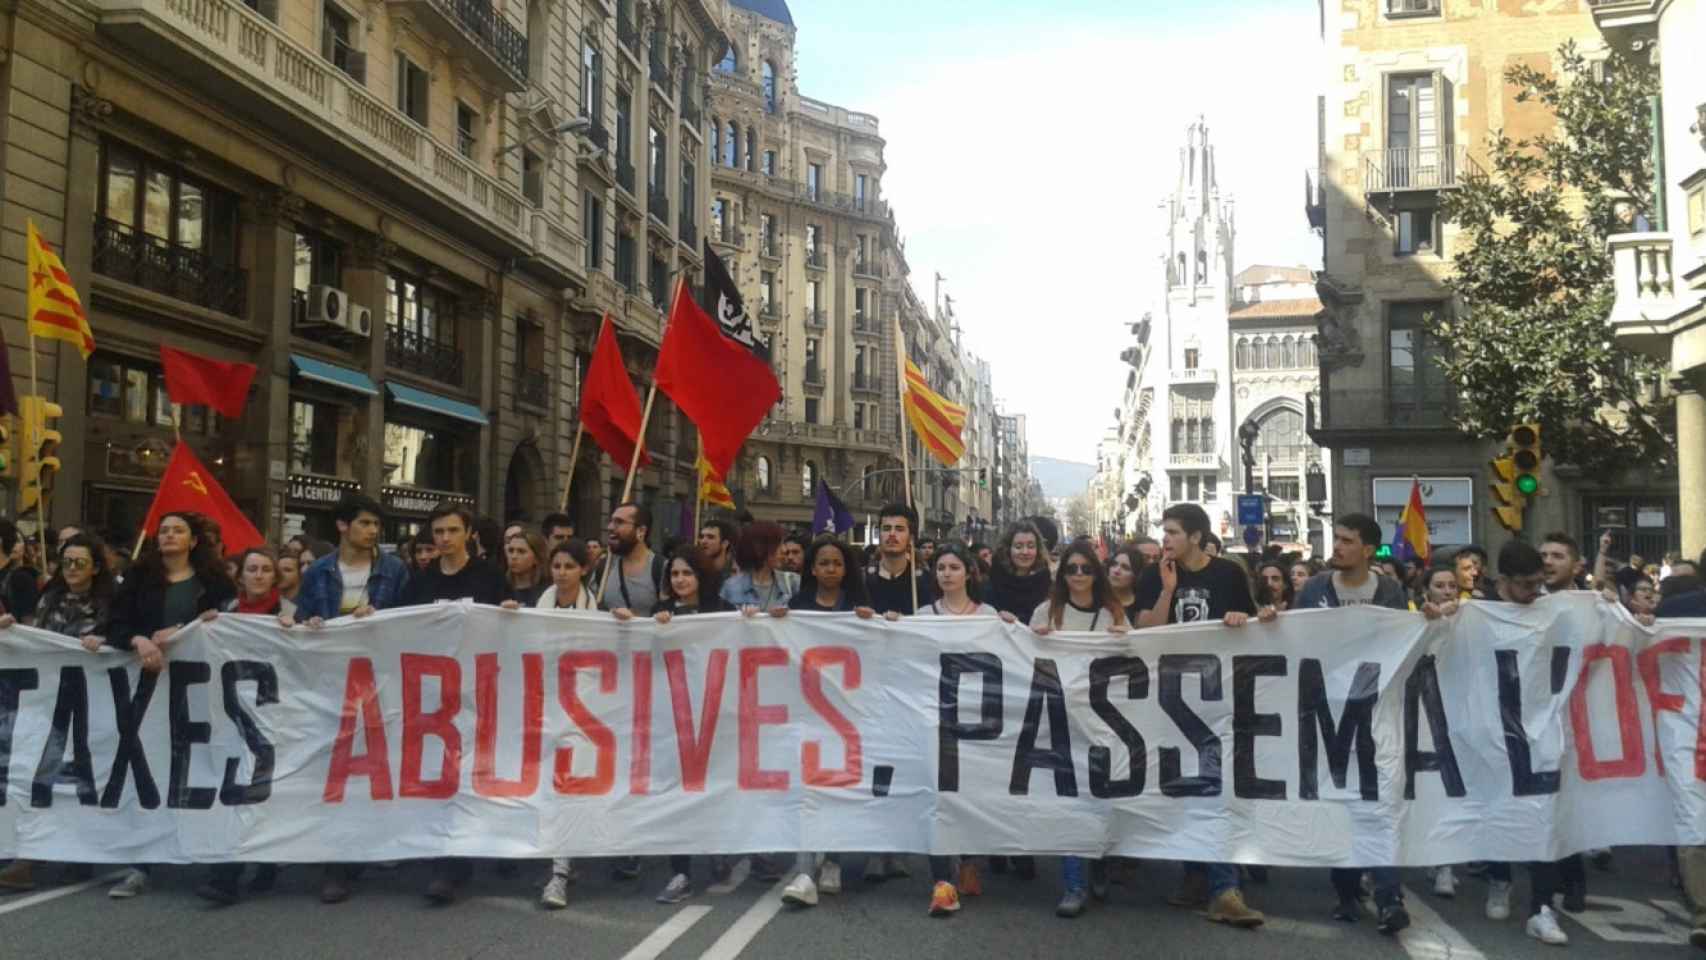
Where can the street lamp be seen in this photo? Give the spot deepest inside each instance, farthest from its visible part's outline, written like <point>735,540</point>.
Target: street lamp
<point>1247,435</point>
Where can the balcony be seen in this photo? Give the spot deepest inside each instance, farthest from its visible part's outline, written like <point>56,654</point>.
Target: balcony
<point>177,271</point>
<point>657,202</point>
<point>1379,412</point>
<point>1195,375</point>
<point>1653,304</point>
<point>626,31</point>
<point>660,75</point>
<point>866,383</point>
<point>1203,461</point>
<point>817,320</point>
<point>865,325</point>
<point>422,355</point>
<point>253,69</point>
<point>689,230</point>
<point>532,387</point>
<point>1413,169</point>
<point>690,114</point>
<point>480,34</point>
<point>815,259</point>
<point>814,375</point>
<point>1622,15</point>
<point>625,175</point>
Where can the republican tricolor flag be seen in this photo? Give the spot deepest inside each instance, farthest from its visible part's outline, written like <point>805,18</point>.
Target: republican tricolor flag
<point>1410,543</point>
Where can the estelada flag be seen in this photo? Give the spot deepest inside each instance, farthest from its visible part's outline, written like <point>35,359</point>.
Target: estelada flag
<point>54,310</point>
<point>194,379</point>
<point>716,370</point>
<point>610,409</point>
<point>937,421</point>
<point>188,487</point>
<point>712,489</point>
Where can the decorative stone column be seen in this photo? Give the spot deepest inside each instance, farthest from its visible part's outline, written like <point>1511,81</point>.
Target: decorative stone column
<point>1691,464</point>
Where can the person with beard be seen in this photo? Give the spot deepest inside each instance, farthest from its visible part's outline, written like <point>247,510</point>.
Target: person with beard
<point>793,557</point>
<point>1273,585</point>
<point>892,581</point>
<point>717,542</point>
<point>637,583</point>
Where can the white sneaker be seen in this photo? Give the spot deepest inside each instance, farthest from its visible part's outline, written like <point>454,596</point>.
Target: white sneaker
<point>1445,882</point>
<point>801,891</point>
<point>1498,899</point>
<point>679,888</point>
<point>829,878</point>
<point>134,882</point>
<point>1543,926</point>
<point>556,893</point>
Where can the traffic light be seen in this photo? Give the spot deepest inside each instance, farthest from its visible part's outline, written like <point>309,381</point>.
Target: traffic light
<point>1508,500</point>
<point>983,478</point>
<point>1525,453</point>
<point>40,461</point>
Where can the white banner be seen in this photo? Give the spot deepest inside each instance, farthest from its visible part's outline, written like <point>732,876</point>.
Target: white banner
<point>1336,737</point>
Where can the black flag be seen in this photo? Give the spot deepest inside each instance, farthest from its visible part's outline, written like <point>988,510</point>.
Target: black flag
<point>725,305</point>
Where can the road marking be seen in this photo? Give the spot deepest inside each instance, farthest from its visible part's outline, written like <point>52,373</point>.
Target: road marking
<point>660,939</point>
<point>736,938</point>
<point>737,876</point>
<point>1302,928</point>
<point>1628,921</point>
<point>55,894</point>
<point>1429,937</point>
<point>1675,909</point>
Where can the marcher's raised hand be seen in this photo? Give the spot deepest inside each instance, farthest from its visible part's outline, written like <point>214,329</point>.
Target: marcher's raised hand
<point>1008,617</point>
<point>1267,614</point>
<point>864,613</point>
<point>663,616</point>
<point>92,643</point>
<point>623,614</point>
<point>510,605</point>
<point>365,610</point>
<point>1237,618</point>
<point>778,611</point>
<point>208,616</point>
<point>7,621</point>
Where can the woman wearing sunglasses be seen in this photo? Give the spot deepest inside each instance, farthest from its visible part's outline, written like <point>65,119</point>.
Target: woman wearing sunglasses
<point>1081,600</point>
<point>74,604</point>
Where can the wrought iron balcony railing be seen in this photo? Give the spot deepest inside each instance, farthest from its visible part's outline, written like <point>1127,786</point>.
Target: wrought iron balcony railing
<point>423,355</point>
<point>1414,168</point>
<point>184,273</point>
<point>531,386</point>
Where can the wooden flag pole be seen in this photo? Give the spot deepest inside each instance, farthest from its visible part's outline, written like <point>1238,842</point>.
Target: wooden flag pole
<point>574,459</point>
<point>33,449</point>
<point>905,457</point>
<point>698,487</point>
<point>628,485</point>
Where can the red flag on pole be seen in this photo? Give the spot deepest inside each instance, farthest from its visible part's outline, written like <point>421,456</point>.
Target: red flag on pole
<point>188,487</point>
<point>610,407</point>
<point>192,379</point>
<point>716,370</point>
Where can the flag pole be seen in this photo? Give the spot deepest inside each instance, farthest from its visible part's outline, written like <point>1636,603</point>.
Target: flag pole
<point>905,457</point>
<point>628,485</point>
<point>574,459</point>
<point>698,485</point>
<point>34,448</point>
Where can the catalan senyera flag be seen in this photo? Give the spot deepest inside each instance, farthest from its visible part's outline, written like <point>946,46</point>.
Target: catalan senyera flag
<point>54,309</point>
<point>1411,543</point>
<point>937,420</point>
<point>712,489</point>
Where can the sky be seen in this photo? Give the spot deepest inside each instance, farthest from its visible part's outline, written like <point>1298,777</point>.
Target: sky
<point>1029,151</point>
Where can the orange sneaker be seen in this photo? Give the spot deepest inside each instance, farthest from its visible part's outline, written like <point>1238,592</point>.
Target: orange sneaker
<point>944,900</point>
<point>971,885</point>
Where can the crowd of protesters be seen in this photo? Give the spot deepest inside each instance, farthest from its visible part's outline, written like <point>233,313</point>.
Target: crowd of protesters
<point>83,588</point>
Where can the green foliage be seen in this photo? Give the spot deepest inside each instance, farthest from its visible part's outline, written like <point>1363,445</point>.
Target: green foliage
<point>1529,340</point>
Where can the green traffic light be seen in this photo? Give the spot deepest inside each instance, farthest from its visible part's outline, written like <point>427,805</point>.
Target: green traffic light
<point>1383,552</point>
<point>1527,484</point>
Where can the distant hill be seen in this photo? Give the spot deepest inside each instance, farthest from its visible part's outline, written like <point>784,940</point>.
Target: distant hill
<point>1062,478</point>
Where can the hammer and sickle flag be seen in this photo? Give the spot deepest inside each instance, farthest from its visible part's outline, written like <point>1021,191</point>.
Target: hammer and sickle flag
<point>188,487</point>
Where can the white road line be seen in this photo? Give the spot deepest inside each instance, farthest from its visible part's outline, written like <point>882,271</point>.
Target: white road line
<point>1429,937</point>
<point>1303,928</point>
<point>58,892</point>
<point>1675,909</point>
<point>660,939</point>
<point>736,938</point>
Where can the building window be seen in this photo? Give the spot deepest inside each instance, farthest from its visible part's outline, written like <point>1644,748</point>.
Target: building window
<point>751,142</point>
<point>421,330</point>
<point>859,308</point>
<point>728,64</point>
<point>1191,358</point>
<point>467,123</point>
<point>658,279</point>
<point>858,416</point>
<point>687,203</point>
<point>318,432</point>
<point>716,139</point>
<point>625,132</point>
<point>859,192</point>
<point>1416,232</point>
<point>167,232</point>
<point>812,253</point>
<point>337,44</point>
<point>814,181</point>
<point>1418,132</point>
<point>808,473</point>
<point>720,222</point>
<point>419,457</point>
<point>411,89</point>
<point>135,392</point>
<point>1281,439</point>
<point>770,163</point>
<point>1417,390</point>
<point>1697,211</point>
<point>769,74</point>
<point>731,146</point>
<point>533,177</point>
<point>811,409</point>
<point>1193,422</point>
<point>1241,354</point>
<point>592,83</point>
<point>592,229</point>
<point>766,235</point>
<point>814,300</point>
<point>761,471</point>
<point>626,262</point>
<point>654,160</point>
<point>767,293</point>
<point>1412,8</point>
<point>317,261</point>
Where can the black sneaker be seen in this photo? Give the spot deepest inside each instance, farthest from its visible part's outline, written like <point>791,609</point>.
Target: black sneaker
<point>625,868</point>
<point>217,893</point>
<point>1575,896</point>
<point>1348,911</point>
<point>1393,918</point>
<point>266,877</point>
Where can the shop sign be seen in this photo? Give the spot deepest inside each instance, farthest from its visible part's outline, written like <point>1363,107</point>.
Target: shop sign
<point>419,499</point>
<point>308,488</point>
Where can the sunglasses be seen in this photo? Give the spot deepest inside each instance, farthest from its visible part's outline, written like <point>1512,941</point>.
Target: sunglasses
<point>1079,569</point>
<point>78,563</point>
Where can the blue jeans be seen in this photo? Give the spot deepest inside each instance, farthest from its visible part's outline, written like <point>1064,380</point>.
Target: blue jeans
<point>1347,881</point>
<point>1221,876</point>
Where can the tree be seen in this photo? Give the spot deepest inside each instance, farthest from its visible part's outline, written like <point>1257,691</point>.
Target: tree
<point>1078,517</point>
<point>1534,278</point>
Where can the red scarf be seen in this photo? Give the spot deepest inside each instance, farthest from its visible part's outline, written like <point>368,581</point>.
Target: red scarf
<point>266,604</point>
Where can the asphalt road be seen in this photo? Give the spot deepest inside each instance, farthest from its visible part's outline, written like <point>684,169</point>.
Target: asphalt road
<point>1634,912</point>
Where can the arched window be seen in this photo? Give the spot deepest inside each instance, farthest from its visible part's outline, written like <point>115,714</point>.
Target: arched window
<point>1306,352</point>
<point>1242,358</point>
<point>1180,275</point>
<point>769,87</point>
<point>751,148</point>
<point>729,63</point>
<point>1281,435</point>
<point>763,470</point>
<point>808,480</point>
<point>1290,352</point>
<point>1202,267</point>
<point>731,146</point>
<point>716,139</point>
<point>1258,354</point>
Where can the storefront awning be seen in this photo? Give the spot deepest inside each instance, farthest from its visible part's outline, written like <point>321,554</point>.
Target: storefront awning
<point>433,403</point>
<point>333,375</point>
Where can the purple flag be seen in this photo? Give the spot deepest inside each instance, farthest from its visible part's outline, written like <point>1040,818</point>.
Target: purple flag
<point>831,515</point>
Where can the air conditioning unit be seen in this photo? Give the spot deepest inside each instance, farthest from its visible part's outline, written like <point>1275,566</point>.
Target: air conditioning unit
<point>328,307</point>
<point>360,320</point>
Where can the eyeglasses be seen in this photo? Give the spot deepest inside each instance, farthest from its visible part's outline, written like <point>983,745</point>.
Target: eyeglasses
<point>617,523</point>
<point>1078,569</point>
<point>77,563</point>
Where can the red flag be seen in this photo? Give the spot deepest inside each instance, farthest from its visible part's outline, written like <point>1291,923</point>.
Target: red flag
<point>610,409</point>
<point>192,379</point>
<point>188,487</point>
<point>716,371</point>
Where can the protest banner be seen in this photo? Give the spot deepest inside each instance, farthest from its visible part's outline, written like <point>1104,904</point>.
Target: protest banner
<point>1337,737</point>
